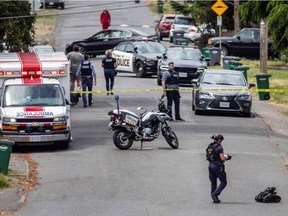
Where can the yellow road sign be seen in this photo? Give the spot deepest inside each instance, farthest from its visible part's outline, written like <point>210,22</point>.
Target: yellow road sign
<point>219,7</point>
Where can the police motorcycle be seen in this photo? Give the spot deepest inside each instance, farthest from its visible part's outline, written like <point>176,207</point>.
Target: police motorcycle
<point>129,127</point>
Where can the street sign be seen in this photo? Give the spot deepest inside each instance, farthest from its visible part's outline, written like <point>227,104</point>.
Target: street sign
<point>219,20</point>
<point>219,7</point>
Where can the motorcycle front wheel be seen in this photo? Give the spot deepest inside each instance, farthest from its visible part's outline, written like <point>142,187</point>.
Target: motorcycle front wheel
<point>122,139</point>
<point>170,137</point>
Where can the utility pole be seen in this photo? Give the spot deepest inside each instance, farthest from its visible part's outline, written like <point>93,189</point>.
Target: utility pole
<point>263,47</point>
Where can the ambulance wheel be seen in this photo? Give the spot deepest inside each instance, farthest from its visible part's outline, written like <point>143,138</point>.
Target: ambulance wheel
<point>64,144</point>
<point>139,69</point>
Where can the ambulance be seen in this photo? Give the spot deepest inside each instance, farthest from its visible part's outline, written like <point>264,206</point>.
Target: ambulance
<point>34,99</point>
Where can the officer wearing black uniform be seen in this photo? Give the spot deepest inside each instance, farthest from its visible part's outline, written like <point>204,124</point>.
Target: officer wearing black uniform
<point>216,157</point>
<point>170,85</point>
<point>86,72</point>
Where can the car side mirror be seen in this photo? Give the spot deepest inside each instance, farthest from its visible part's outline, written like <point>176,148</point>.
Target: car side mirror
<point>238,37</point>
<point>135,49</point>
<point>251,85</point>
<point>164,56</point>
<point>67,102</point>
<point>158,57</point>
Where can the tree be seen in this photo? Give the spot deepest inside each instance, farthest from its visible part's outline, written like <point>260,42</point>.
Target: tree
<point>16,33</point>
<point>274,13</point>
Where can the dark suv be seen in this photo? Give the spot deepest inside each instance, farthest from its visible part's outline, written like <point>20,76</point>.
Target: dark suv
<point>163,26</point>
<point>53,3</point>
<point>245,43</point>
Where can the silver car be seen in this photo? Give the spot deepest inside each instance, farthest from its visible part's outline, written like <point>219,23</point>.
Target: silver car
<point>222,90</point>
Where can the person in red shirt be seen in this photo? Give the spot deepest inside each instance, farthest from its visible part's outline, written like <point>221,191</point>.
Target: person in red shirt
<point>105,19</point>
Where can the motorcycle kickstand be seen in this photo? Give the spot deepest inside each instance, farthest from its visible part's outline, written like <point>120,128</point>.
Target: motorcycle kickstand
<point>141,145</point>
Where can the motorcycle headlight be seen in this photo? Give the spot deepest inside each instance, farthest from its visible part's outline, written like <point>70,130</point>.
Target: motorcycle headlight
<point>246,97</point>
<point>164,67</point>
<point>205,95</point>
<point>60,119</point>
<point>7,119</point>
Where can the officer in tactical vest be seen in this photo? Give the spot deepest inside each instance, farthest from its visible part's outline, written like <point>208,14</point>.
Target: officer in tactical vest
<point>170,85</point>
<point>216,157</point>
<point>86,73</point>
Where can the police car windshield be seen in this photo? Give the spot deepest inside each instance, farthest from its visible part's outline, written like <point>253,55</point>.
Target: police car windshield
<point>150,48</point>
<point>184,54</point>
<point>33,95</point>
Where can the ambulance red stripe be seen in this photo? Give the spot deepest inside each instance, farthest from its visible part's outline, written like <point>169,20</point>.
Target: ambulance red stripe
<point>30,62</point>
<point>34,109</point>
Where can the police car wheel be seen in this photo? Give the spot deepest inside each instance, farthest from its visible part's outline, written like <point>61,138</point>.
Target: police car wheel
<point>139,69</point>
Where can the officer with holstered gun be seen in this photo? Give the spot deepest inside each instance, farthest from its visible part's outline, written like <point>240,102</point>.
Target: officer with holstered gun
<point>216,157</point>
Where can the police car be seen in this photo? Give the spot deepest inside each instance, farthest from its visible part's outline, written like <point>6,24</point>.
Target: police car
<point>139,57</point>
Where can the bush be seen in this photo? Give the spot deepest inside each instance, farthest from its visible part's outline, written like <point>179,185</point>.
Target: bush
<point>4,182</point>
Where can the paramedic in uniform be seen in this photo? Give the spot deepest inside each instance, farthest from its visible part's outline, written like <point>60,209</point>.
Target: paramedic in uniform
<point>86,73</point>
<point>216,157</point>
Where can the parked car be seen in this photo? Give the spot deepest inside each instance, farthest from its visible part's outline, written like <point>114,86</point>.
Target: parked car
<point>222,90</point>
<point>185,23</point>
<point>139,57</point>
<point>163,26</point>
<point>53,3</point>
<point>245,43</point>
<point>98,43</point>
<point>188,61</point>
<point>42,49</point>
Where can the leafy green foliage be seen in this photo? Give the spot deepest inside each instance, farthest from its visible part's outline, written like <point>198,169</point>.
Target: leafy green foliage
<point>4,182</point>
<point>275,13</point>
<point>16,34</point>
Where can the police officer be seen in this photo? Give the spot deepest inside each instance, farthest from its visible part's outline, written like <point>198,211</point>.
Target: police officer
<point>170,85</point>
<point>216,157</point>
<point>86,72</point>
<point>109,65</point>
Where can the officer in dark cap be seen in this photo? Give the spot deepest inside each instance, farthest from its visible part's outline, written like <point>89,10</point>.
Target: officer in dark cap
<point>170,85</point>
<point>216,157</point>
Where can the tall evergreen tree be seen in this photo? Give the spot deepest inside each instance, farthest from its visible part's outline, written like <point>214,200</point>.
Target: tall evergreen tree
<point>16,26</point>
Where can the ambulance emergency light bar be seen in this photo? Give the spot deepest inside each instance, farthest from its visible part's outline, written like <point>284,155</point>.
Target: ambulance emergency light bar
<point>24,74</point>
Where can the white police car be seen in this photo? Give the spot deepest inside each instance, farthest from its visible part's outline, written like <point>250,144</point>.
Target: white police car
<point>138,57</point>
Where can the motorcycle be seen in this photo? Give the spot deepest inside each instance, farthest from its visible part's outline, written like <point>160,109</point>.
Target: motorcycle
<point>129,127</point>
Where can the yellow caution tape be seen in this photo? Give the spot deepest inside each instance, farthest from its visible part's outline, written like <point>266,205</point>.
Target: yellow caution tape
<point>180,89</point>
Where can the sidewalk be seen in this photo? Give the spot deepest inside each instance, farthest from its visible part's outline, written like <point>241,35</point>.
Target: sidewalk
<point>11,199</point>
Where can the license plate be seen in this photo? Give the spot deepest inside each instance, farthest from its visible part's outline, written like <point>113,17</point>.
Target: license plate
<point>35,138</point>
<point>225,104</point>
<point>51,3</point>
<point>182,74</point>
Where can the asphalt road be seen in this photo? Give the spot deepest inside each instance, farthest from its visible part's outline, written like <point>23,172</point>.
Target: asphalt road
<point>93,177</point>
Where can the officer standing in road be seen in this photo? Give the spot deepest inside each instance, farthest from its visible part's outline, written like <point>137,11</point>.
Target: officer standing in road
<point>170,85</point>
<point>216,157</point>
<point>86,72</point>
<point>109,65</point>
